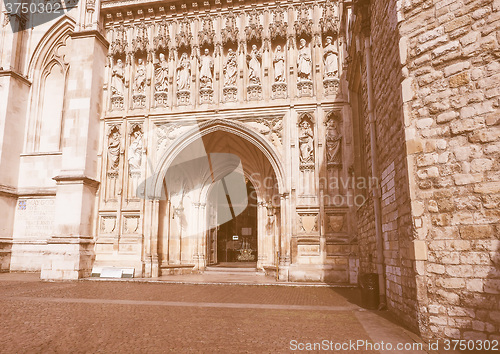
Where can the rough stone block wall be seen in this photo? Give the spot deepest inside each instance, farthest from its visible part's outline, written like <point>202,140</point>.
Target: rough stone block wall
<point>392,164</point>
<point>451,56</point>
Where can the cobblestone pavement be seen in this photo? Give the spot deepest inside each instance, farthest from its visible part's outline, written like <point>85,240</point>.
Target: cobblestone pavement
<point>123,317</point>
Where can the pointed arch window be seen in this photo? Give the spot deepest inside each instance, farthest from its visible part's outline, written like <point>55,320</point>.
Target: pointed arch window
<point>51,99</point>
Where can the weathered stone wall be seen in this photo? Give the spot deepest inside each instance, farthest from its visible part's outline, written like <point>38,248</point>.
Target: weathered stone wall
<point>450,52</point>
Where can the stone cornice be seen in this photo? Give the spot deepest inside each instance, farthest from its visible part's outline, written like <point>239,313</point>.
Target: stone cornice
<point>92,33</point>
<point>15,75</point>
<point>76,179</point>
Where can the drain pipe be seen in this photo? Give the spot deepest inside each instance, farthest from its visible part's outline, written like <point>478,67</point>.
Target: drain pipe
<point>376,192</point>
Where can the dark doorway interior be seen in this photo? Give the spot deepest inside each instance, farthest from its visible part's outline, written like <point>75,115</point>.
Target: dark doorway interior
<point>237,238</point>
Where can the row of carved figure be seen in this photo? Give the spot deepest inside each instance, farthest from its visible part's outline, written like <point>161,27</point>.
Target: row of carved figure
<point>306,147</point>
<point>230,69</point>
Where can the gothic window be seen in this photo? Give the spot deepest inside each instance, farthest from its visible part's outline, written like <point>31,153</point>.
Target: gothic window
<point>51,108</point>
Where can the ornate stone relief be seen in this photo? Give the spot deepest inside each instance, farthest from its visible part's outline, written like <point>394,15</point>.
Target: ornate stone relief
<point>278,28</point>
<point>230,90</point>
<point>335,223</point>
<point>108,224</point>
<point>184,37</point>
<point>304,69</point>
<point>140,41</point>
<point>114,138</point>
<point>306,143</point>
<point>131,224</point>
<point>279,86</point>
<point>165,134</point>
<point>183,73</point>
<point>331,67</point>
<point>230,32</point>
<point>161,81</point>
<point>303,25</point>
<point>207,34</point>
<point>308,222</point>
<point>254,61</point>
<point>333,141</point>
<point>161,41</point>
<point>329,22</point>
<point>272,129</point>
<point>135,150</point>
<point>139,96</point>
<point>206,67</point>
<point>119,43</point>
<point>254,29</point>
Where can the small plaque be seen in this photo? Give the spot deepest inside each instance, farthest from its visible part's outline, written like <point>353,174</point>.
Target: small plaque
<point>111,272</point>
<point>235,237</point>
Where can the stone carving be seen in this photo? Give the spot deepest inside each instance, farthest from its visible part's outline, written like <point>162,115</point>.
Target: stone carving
<point>90,9</point>
<point>139,98</point>
<point>230,32</point>
<point>161,81</point>
<point>333,143</point>
<point>335,223</point>
<point>308,223</point>
<point>113,151</point>
<point>331,67</point>
<point>278,28</point>
<point>206,66</point>
<point>131,224</point>
<point>135,151</point>
<point>329,23</point>
<point>254,88</point>
<point>162,39</point>
<point>117,85</point>
<point>279,85</point>
<point>108,224</point>
<point>166,133</point>
<point>254,29</point>
<point>230,74</point>
<point>304,62</point>
<point>306,144</point>
<point>304,69</point>
<point>207,34</point>
<point>184,37</point>
<point>279,65</point>
<point>254,62</point>
<point>119,44</point>
<point>183,79</point>
<point>140,42</point>
<point>303,26</point>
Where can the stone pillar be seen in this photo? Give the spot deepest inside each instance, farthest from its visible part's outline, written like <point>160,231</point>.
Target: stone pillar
<point>70,253</point>
<point>14,93</point>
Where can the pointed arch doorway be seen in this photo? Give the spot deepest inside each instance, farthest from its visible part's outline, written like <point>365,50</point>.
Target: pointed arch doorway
<point>196,227</point>
<point>232,242</point>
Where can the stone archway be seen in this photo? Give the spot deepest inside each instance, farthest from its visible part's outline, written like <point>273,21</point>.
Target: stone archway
<point>198,160</point>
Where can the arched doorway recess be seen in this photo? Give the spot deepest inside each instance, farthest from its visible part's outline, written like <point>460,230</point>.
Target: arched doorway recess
<point>229,160</point>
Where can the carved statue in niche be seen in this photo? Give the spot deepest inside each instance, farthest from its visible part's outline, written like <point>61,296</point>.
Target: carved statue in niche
<point>279,65</point>
<point>140,77</point>
<point>114,151</point>
<point>306,142</point>
<point>206,65</point>
<point>135,152</point>
<point>161,74</point>
<point>330,60</point>
<point>304,62</point>
<point>253,60</point>
<point>333,143</point>
<point>183,73</point>
<point>230,69</point>
<point>118,79</point>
